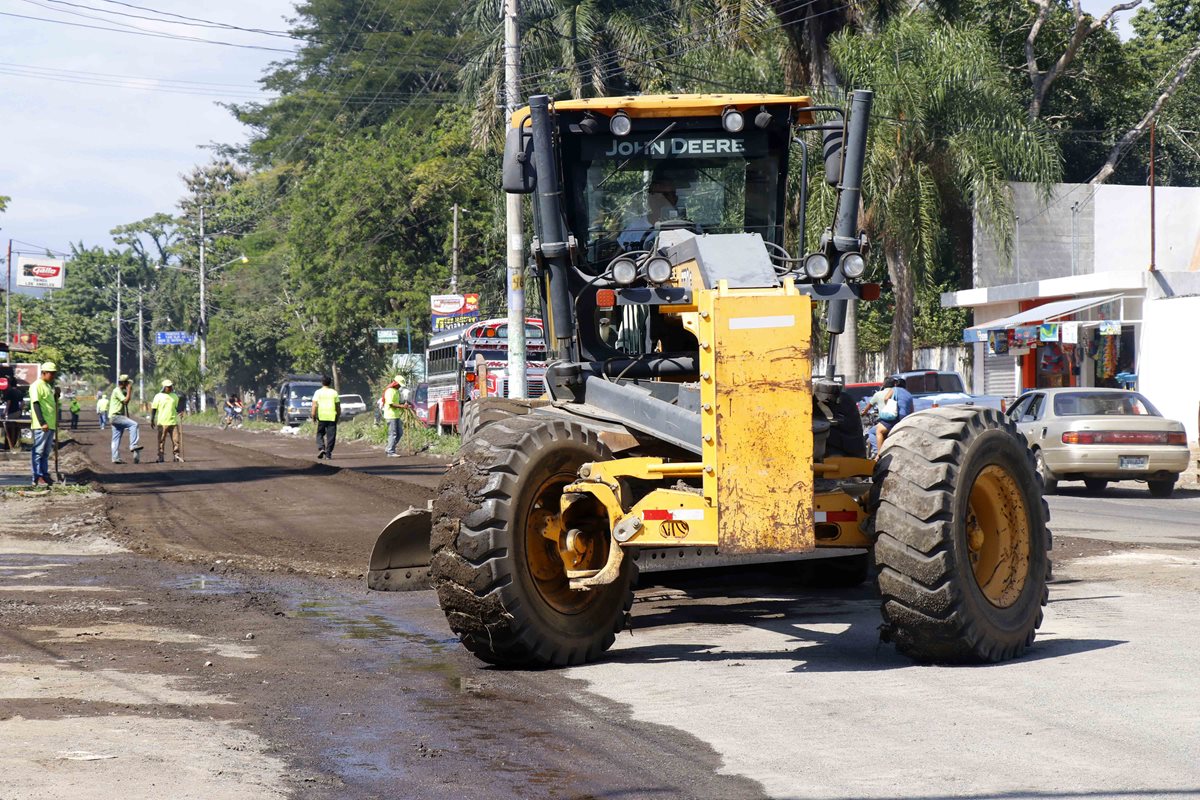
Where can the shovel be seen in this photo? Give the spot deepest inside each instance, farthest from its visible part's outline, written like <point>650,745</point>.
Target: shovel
<point>57,473</point>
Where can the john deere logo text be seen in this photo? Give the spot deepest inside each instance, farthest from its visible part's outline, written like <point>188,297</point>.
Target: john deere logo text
<point>677,147</point>
<point>674,529</point>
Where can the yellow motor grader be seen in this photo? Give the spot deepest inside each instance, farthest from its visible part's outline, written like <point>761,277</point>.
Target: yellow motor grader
<point>682,416</point>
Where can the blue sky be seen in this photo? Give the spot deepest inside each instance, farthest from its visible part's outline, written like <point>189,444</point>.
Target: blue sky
<point>78,158</point>
<point>81,159</point>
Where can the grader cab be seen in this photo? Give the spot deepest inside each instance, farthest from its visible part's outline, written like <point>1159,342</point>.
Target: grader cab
<point>682,415</point>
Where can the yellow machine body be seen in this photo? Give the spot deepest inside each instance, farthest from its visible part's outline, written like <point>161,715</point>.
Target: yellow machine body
<point>756,471</point>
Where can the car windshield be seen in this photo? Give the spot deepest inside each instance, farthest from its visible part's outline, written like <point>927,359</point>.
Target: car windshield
<point>1102,404</point>
<point>717,182</point>
<point>301,394</point>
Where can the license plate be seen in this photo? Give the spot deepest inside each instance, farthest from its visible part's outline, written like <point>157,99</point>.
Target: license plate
<point>1133,462</point>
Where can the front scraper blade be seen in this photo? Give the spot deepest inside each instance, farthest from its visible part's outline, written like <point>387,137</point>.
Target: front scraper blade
<point>400,560</point>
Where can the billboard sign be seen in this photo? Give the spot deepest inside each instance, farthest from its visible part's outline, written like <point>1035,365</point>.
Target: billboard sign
<point>37,272</point>
<point>24,342</point>
<point>453,310</point>
<point>26,373</point>
<point>174,338</point>
<point>387,335</point>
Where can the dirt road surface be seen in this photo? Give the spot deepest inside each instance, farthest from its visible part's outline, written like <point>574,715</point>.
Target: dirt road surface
<point>127,664</point>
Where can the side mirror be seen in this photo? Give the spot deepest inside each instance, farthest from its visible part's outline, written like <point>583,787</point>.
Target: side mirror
<point>517,175</point>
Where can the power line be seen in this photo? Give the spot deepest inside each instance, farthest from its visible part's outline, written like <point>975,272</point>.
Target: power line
<point>152,35</point>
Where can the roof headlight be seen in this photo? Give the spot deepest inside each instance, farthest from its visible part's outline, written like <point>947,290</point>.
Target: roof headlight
<point>624,271</point>
<point>816,266</point>
<point>732,120</point>
<point>853,265</point>
<point>620,124</point>
<point>658,270</point>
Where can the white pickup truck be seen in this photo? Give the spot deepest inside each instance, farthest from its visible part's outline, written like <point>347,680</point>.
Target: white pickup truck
<point>932,389</point>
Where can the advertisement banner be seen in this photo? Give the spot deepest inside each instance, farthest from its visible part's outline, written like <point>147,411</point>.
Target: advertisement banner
<point>387,335</point>
<point>1048,332</point>
<point>26,373</point>
<point>174,338</point>
<point>974,335</point>
<point>453,310</point>
<point>38,272</point>
<point>24,342</point>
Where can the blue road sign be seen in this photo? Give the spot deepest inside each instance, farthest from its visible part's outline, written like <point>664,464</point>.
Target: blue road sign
<point>174,337</point>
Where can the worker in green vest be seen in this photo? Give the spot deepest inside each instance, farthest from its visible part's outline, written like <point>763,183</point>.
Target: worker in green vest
<point>164,417</point>
<point>43,413</point>
<point>75,408</point>
<point>392,405</point>
<point>102,408</point>
<point>118,408</point>
<point>326,408</point>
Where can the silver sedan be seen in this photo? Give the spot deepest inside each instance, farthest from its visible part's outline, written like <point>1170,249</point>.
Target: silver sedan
<point>1101,435</point>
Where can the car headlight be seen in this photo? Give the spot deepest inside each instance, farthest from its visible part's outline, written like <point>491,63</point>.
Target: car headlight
<point>816,266</point>
<point>658,270</point>
<point>853,265</point>
<point>624,271</point>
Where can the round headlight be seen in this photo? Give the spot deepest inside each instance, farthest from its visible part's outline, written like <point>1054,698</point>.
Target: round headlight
<point>658,270</point>
<point>732,120</point>
<point>620,124</point>
<point>624,271</point>
<point>853,265</point>
<point>816,266</point>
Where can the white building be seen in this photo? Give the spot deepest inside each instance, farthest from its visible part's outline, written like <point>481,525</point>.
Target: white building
<point>1076,302</point>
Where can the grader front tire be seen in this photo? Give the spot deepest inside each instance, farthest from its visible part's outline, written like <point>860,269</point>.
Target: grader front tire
<point>499,580</point>
<point>962,544</point>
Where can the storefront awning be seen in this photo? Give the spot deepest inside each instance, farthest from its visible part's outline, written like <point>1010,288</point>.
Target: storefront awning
<point>1045,313</point>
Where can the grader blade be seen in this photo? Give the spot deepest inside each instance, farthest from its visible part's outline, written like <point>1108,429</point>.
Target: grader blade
<point>400,559</point>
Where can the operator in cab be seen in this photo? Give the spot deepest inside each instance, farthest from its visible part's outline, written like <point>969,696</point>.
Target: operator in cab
<point>662,204</point>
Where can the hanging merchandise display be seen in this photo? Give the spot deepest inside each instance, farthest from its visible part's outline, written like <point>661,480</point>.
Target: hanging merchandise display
<point>997,343</point>
<point>1110,327</point>
<point>1048,332</point>
<point>1070,332</point>
<point>1025,336</point>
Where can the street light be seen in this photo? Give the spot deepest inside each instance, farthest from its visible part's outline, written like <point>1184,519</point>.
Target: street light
<point>203,313</point>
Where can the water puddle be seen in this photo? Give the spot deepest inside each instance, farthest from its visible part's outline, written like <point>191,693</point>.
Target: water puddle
<point>205,584</point>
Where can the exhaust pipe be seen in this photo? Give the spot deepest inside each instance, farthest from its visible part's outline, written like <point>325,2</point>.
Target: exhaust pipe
<point>551,227</point>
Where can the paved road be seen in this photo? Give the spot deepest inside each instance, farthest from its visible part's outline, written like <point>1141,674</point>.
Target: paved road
<point>1126,512</point>
<point>727,686</point>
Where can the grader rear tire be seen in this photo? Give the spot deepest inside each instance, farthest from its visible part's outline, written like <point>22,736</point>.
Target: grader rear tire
<point>962,543</point>
<point>486,410</point>
<point>500,582</point>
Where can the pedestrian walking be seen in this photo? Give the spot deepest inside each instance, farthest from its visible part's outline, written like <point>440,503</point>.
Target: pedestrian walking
<point>118,408</point>
<point>102,409</point>
<point>75,408</point>
<point>43,412</point>
<point>391,415</point>
<point>164,417</point>
<point>326,408</point>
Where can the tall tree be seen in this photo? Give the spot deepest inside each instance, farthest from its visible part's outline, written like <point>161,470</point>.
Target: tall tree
<point>947,128</point>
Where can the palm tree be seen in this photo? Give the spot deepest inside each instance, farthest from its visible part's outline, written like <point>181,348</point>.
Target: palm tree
<point>947,129</point>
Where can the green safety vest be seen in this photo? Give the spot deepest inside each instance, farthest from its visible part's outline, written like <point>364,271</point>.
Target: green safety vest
<point>74,406</point>
<point>391,396</point>
<point>119,404</point>
<point>41,394</point>
<point>326,401</point>
<point>166,409</point>
<point>101,404</point>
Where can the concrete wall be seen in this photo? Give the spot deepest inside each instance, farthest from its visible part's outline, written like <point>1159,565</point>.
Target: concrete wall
<point>1167,372</point>
<point>1083,229</point>
<point>1122,233</point>
<point>873,366</point>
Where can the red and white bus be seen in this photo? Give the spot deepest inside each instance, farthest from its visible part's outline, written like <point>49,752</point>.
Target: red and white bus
<point>450,367</point>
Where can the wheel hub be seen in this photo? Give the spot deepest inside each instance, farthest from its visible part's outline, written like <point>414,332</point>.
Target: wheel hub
<point>551,548</point>
<point>998,536</point>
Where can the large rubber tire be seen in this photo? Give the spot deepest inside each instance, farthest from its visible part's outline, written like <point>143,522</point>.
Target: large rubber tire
<point>481,564</point>
<point>484,411</point>
<point>936,608</point>
<point>1162,488</point>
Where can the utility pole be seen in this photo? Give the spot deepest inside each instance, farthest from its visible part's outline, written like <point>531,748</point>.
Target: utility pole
<point>454,255</point>
<point>514,248</point>
<point>141,354</point>
<point>8,304</point>
<point>203,315</point>
<point>1153,266</point>
<point>118,321</point>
